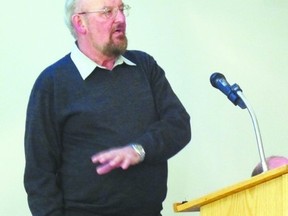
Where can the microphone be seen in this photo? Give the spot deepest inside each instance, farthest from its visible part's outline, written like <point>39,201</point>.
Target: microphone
<point>219,81</point>
<point>235,95</point>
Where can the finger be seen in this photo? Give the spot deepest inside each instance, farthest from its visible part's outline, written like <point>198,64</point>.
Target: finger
<point>103,169</point>
<point>125,164</point>
<point>102,157</point>
<point>116,161</point>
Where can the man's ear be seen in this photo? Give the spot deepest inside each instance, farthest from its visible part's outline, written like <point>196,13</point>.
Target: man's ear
<point>79,23</point>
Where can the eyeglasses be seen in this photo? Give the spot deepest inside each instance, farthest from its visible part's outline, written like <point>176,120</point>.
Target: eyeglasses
<point>111,12</point>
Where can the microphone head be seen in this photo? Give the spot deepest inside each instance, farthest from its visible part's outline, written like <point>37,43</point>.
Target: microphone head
<point>219,81</point>
<point>215,77</point>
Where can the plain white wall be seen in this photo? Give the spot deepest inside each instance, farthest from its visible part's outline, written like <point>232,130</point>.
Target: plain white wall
<point>191,39</point>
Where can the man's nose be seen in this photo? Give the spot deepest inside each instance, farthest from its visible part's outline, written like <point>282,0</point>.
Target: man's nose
<point>120,16</point>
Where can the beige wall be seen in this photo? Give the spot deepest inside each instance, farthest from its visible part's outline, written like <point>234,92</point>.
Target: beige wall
<point>190,39</point>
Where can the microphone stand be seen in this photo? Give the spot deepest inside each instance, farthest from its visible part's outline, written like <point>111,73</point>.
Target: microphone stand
<point>238,91</point>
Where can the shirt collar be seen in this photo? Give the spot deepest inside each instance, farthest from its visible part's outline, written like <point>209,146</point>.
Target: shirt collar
<point>86,66</point>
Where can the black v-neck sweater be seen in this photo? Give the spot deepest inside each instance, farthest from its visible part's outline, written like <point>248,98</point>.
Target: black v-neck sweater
<point>70,119</point>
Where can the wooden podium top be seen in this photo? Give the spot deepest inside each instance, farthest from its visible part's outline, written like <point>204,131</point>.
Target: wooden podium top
<point>195,205</point>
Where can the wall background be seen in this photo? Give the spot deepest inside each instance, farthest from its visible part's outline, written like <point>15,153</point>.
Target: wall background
<point>244,40</point>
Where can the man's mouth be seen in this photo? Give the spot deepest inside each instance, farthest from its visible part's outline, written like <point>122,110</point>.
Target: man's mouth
<point>119,30</point>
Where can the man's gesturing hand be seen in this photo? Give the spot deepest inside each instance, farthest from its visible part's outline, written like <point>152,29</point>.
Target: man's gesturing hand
<point>122,157</point>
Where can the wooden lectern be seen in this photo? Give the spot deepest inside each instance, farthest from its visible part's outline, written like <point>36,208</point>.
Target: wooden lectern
<point>262,195</point>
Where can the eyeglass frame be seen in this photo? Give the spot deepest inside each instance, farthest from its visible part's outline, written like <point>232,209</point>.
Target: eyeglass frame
<point>110,12</point>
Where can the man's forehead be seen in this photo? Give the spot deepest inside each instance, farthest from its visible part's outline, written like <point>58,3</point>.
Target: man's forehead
<point>102,2</point>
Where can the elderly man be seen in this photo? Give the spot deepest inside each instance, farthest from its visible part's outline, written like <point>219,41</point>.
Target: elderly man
<point>106,108</point>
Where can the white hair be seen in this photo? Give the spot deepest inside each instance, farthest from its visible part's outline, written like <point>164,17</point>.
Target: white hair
<point>70,6</point>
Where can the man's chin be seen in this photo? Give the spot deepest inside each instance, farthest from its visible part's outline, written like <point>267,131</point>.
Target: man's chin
<point>120,39</point>
<point>115,51</point>
<point>116,47</point>
<point>121,45</point>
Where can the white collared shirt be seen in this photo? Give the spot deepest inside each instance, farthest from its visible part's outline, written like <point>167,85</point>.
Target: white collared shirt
<point>86,66</point>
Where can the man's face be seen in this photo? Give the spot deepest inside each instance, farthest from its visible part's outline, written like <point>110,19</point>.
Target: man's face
<point>105,32</point>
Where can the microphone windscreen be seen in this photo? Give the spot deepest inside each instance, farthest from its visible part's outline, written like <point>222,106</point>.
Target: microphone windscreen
<point>215,77</point>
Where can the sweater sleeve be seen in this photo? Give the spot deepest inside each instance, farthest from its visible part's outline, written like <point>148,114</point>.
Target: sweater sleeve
<point>42,151</point>
<point>172,132</point>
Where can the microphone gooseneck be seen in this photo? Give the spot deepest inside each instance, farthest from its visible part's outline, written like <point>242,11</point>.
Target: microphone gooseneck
<point>235,95</point>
